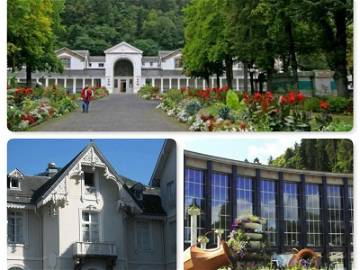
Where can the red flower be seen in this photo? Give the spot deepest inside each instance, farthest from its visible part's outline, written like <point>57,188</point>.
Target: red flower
<point>291,98</point>
<point>324,105</point>
<point>242,126</point>
<point>257,97</point>
<point>300,97</point>
<point>283,100</point>
<point>269,96</point>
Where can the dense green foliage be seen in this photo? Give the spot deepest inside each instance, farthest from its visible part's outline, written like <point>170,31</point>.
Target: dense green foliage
<point>318,154</point>
<point>302,34</point>
<point>31,35</point>
<point>150,25</point>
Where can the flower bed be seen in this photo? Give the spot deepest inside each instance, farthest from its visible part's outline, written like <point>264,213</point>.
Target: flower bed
<point>221,109</point>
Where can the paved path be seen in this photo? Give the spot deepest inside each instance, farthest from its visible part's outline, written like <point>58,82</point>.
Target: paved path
<point>125,112</point>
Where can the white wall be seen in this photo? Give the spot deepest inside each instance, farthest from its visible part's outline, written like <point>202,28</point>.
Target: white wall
<point>169,63</point>
<point>28,255</point>
<point>75,62</point>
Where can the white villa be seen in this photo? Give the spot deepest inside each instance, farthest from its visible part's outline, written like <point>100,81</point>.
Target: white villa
<point>86,216</point>
<point>124,69</point>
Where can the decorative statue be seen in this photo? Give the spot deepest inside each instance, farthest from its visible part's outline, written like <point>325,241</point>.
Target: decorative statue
<point>306,258</point>
<point>198,259</point>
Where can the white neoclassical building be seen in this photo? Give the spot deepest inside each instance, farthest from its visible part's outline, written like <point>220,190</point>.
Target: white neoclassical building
<point>124,69</point>
<point>86,216</point>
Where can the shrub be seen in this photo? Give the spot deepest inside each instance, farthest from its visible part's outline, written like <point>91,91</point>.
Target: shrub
<point>232,100</point>
<point>148,92</point>
<point>174,95</point>
<point>192,107</point>
<point>338,104</point>
<point>224,113</point>
<point>312,104</point>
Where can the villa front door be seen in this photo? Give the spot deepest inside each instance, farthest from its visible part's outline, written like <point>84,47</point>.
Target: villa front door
<point>123,85</point>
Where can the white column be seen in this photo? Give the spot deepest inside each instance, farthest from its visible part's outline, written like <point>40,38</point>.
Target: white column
<point>213,82</point>
<point>196,83</point>
<point>74,85</point>
<point>46,82</point>
<point>92,82</point>
<point>170,83</point>
<point>161,85</point>
<point>187,82</point>
<point>65,83</point>
<point>204,84</point>
<point>83,82</point>
<point>178,83</point>
<point>221,82</point>
<point>56,81</point>
<point>152,82</point>
<point>237,84</point>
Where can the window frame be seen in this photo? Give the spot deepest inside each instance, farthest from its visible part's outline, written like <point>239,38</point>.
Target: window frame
<point>66,62</point>
<point>138,235</point>
<point>82,222</point>
<point>11,187</point>
<point>23,229</point>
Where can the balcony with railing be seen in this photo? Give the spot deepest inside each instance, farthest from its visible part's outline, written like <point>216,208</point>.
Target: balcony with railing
<point>92,249</point>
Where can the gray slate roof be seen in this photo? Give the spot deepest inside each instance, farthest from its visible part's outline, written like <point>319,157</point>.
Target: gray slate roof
<point>83,53</point>
<point>97,58</point>
<point>29,185</point>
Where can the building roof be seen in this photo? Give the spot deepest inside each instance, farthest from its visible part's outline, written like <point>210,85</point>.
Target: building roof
<point>35,188</point>
<point>161,161</point>
<point>170,54</point>
<point>150,58</point>
<point>29,185</point>
<point>97,58</point>
<point>83,53</point>
<point>263,167</point>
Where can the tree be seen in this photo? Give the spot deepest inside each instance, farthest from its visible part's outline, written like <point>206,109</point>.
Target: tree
<point>206,43</point>
<point>31,40</point>
<point>334,19</point>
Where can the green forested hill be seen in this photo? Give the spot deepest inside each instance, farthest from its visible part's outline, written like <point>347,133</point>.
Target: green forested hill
<point>150,25</point>
<point>320,155</point>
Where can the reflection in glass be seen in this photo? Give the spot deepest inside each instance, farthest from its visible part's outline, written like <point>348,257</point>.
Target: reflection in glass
<point>244,195</point>
<point>194,185</point>
<point>220,205</point>
<point>268,209</point>
<point>335,215</point>
<point>313,215</point>
<point>291,214</point>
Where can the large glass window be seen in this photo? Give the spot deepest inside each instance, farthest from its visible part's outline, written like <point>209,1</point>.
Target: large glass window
<point>15,227</point>
<point>244,195</point>
<point>291,214</point>
<point>220,204</point>
<point>194,186</point>
<point>268,209</point>
<point>351,211</point>
<point>90,226</point>
<point>335,215</point>
<point>313,214</point>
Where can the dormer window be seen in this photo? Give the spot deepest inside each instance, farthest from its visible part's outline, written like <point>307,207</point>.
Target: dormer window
<point>66,61</point>
<point>89,182</point>
<point>101,64</point>
<point>178,62</point>
<point>90,64</point>
<point>151,64</point>
<point>14,183</point>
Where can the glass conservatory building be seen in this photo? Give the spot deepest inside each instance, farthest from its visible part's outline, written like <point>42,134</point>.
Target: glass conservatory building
<point>302,208</point>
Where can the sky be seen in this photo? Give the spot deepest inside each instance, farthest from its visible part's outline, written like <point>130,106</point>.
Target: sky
<point>135,159</point>
<point>241,149</point>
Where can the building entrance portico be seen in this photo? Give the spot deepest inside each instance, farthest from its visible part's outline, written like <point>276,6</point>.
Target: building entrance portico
<point>123,68</point>
<point>123,85</point>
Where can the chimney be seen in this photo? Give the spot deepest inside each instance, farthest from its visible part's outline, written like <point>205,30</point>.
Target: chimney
<point>52,169</point>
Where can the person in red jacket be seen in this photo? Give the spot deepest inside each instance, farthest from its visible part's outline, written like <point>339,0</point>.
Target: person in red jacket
<point>86,94</point>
